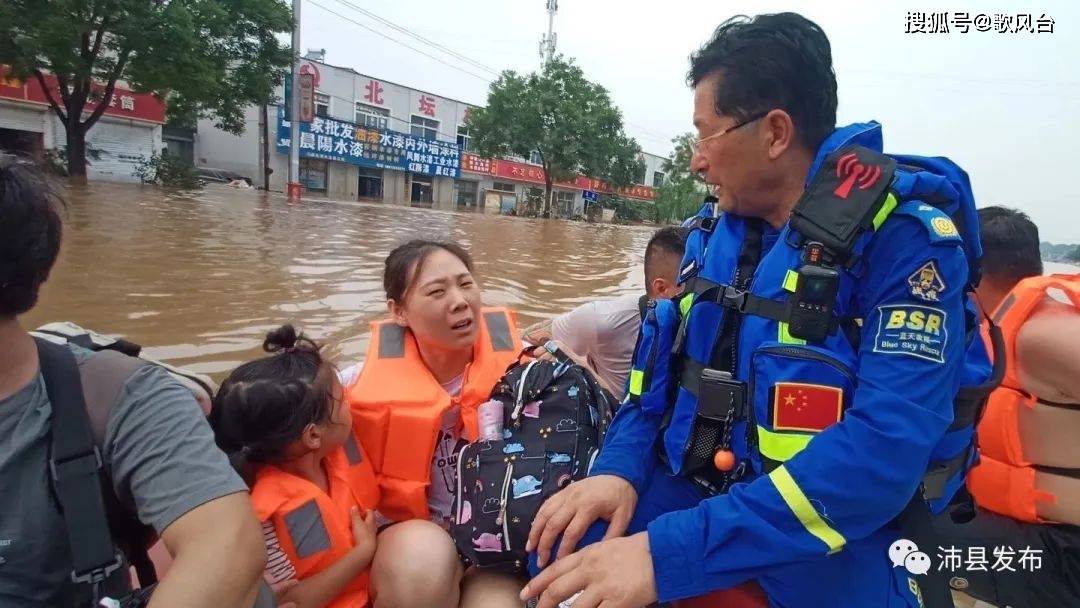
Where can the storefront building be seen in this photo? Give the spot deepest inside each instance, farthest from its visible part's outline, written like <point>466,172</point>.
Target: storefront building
<point>374,140</point>
<point>128,131</point>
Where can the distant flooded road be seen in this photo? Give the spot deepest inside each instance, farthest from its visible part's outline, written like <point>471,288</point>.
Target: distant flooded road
<point>198,278</point>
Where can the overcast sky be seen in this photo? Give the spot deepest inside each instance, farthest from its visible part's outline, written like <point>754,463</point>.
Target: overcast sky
<point>1002,105</point>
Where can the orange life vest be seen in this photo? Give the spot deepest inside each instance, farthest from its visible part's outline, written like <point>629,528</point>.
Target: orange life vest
<point>398,405</point>
<point>1020,432</point>
<point>313,527</point>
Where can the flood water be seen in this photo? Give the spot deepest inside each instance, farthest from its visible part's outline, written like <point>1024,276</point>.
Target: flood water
<point>198,278</point>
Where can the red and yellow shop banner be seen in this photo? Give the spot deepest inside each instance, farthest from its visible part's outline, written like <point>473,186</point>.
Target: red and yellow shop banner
<point>124,103</point>
<point>523,172</point>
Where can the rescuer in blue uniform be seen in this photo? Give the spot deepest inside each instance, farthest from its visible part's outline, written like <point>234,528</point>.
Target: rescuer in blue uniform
<point>785,411</point>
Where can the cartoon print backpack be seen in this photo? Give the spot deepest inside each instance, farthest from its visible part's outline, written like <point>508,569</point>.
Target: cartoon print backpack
<point>554,419</point>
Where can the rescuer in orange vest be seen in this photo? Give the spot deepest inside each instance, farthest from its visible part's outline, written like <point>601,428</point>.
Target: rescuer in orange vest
<point>1027,482</point>
<point>415,402</point>
<point>312,486</point>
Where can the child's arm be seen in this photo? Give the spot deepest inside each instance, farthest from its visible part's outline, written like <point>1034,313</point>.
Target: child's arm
<point>321,589</point>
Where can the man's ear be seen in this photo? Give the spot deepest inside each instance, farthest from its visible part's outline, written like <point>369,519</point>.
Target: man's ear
<point>780,131</point>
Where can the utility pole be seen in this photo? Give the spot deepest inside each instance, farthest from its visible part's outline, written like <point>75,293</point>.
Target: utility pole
<point>294,188</point>
<point>547,43</point>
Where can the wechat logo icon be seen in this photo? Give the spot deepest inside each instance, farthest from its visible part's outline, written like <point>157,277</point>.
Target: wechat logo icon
<point>906,553</point>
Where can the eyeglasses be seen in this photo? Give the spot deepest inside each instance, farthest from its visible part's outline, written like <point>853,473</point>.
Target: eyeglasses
<point>696,144</point>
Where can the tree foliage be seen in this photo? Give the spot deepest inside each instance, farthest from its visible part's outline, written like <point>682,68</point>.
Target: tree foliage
<point>681,194</point>
<point>569,121</point>
<point>203,57</point>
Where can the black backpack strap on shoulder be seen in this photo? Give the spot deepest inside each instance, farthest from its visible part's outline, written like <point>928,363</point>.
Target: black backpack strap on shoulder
<point>843,199</point>
<point>75,470</point>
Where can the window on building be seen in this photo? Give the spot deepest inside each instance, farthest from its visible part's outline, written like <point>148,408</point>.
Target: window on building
<point>535,159</point>
<point>503,186</point>
<point>371,183</point>
<point>657,179</point>
<point>465,193</point>
<point>534,195</point>
<point>372,117</point>
<point>564,203</point>
<point>421,190</point>
<point>463,137</point>
<point>424,127</point>
<point>313,174</point>
<point>322,104</point>
<point>640,177</point>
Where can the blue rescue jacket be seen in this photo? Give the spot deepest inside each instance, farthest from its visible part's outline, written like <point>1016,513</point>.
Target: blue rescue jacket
<point>837,436</point>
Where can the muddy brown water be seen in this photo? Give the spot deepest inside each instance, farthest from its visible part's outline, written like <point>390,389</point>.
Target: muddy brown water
<point>198,278</point>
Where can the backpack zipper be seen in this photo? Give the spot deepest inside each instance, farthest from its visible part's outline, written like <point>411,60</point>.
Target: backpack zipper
<point>502,519</point>
<point>519,403</point>
<point>460,459</point>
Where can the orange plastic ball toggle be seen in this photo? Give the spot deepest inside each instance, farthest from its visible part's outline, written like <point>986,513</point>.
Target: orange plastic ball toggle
<point>724,460</point>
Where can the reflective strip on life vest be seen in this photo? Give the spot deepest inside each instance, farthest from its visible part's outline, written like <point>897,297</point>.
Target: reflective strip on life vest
<point>307,530</point>
<point>804,511</point>
<point>637,379</point>
<point>783,334</point>
<point>781,447</point>
<point>685,303</point>
<point>791,280</point>
<point>352,450</point>
<point>499,329</point>
<point>391,341</point>
<point>886,208</point>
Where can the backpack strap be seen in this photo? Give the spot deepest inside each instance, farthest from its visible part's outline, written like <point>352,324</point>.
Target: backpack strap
<point>103,376</point>
<point>75,469</point>
<point>844,200</point>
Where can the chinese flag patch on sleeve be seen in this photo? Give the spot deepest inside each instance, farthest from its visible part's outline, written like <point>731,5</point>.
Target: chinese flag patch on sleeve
<point>806,407</point>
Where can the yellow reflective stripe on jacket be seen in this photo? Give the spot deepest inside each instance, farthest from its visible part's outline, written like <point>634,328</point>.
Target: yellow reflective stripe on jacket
<point>804,511</point>
<point>890,203</point>
<point>791,280</point>
<point>783,335</point>
<point>637,379</point>
<point>781,447</point>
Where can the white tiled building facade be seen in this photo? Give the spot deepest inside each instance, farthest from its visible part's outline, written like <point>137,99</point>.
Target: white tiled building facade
<point>361,104</point>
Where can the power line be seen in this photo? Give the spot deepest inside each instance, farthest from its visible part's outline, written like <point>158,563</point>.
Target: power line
<point>655,135</point>
<point>412,48</point>
<point>408,32</point>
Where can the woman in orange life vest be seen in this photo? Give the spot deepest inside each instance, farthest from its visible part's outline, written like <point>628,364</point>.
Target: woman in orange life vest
<point>427,368</point>
<point>311,485</point>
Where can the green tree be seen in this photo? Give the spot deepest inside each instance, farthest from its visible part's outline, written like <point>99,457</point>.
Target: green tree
<point>206,58</point>
<point>569,121</point>
<point>1074,255</point>
<point>681,193</point>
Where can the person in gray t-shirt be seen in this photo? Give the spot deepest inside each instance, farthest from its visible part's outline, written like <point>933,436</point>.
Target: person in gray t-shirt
<point>157,447</point>
<point>605,332</point>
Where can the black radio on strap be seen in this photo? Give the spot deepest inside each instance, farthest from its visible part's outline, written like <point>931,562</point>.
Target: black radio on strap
<point>842,200</point>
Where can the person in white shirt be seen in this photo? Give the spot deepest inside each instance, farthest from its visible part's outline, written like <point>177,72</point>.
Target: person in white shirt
<point>603,333</point>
